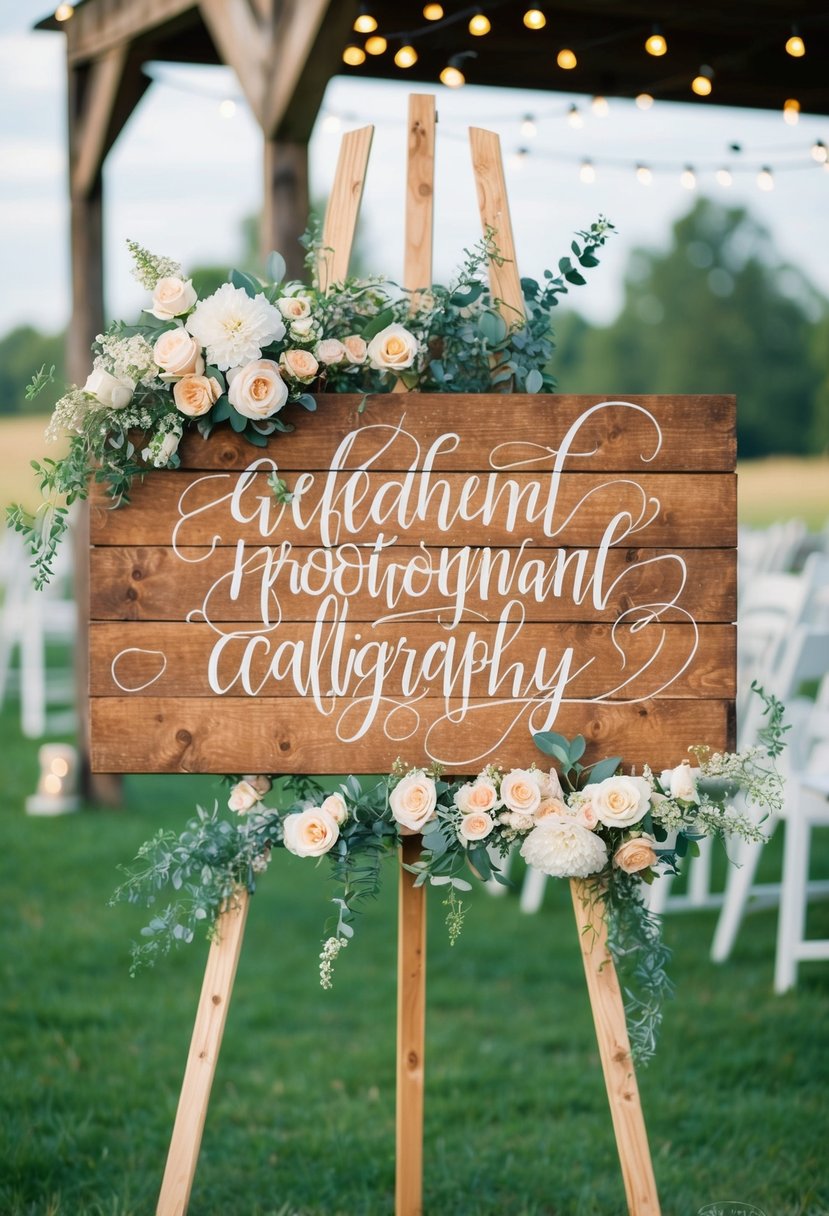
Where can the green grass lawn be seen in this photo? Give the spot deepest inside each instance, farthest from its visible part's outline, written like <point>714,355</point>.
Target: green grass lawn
<point>302,1117</point>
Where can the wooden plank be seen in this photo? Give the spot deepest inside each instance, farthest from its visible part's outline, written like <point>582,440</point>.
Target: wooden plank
<point>242,43</point>
<point>493,204</point>
<point>203,1056</point>
<point>420,193</point>
<point>154,584</point>
<point>92,126</point>
<point>411,1035</point>
<point>167,659</point>
<point>343,207</point>
<point>614,1049</point>
<point>107,23</point>
<point>295,39</point>
<point>700,510</point>
<point>230,735</point>
<point>698,433</point>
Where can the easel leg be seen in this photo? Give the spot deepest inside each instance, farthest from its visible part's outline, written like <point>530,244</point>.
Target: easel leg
<point>411,1022</point>
<point>202,1059</point>
<point>614,1049</point>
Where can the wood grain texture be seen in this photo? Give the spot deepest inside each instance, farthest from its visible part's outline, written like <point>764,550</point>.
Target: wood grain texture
<point>411,1035</point>
<point>692,510</point>
<point>202,1058</point>
<point>224,735</point>
<point>139,583</point>
<point>420,193</point>
<point>493,205</point>
<point>614,1049</point>
<point>696,433</point>
<point>167,659</point>
<point>343,208</point>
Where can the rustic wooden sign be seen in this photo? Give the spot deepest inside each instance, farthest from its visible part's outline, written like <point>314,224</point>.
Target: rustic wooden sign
<point>451,574</point>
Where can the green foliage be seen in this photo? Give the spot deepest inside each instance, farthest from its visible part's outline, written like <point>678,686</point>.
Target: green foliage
<point>21,350</point>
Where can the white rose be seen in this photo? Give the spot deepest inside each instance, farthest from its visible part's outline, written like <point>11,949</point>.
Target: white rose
<point>521,792</point>
<point>257,390</point>
<point>168,447</point>
<point>260,782</point>
<point>303,327</point>
<point>393,349</point>
<point>242,797</point>
<point>355,348</point>
<point>309,833</point>
<point>330,351</point>
<point>478,795</point>
<point>294,307</point>
<point>619,802</point>
<point>172,297</point>
<point>476,826</point>
<point>112,392</point>
<point>681,782</point>
<point>550,784</point>
<point>413,801</point>
<point>334,805</point>
<point>552,806</point>
<point>177,353</point>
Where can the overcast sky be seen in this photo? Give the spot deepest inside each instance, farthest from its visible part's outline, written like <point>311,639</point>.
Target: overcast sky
<point>181,176</point>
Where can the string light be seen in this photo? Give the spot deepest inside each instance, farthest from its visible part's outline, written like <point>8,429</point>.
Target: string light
<point>587,172</point>
<point>331,124</point>
<point>702,84</point>
<point>724,177</point>
<point>365,23</point>
<point>452,77</point>
<point>518,158</point>
<point>820,153</point>
<point>376,44</point>
<point>656,43</point>
<point>574,118</point>
<point>599,106</point>
<point>566,59</point>
<point>688,178</point>
<point>765,179</point>
<point>644,101</point>
<point>405,56</point>
<point>795,46</point>
<point>354,56</point>
<point>479,25</point>
<point>791,111</point>
<point>534,19</point>
<point>227,108</point>
<point>528,128</point>
<point>643,175</point>
<point>433,12</point>
<point>64,11</point>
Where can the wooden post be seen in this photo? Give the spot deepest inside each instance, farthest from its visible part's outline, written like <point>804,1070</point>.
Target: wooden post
<point>286,202</point>
<point>493,205</point>
<point>202,1058</point>
<point>411,1035</point>
<point>343,208</point>
<point>614,1050</point>
<point>420,193</point>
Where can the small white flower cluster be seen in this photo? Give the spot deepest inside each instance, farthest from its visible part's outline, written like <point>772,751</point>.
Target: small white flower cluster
<point>714,820</point>
<point>163,447</point>
<point>149,267</point>
<point>129,358</point>
<point>330,951</point>
<point>68,414</point>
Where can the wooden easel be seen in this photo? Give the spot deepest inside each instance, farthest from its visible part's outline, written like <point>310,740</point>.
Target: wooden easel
<point>603,986</point>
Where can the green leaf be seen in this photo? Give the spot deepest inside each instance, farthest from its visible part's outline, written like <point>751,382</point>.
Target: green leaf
<point>466,295</point>
<point>376,324</point>
<point>492,327</point>
<point>236,420</point>
<point>275,267</point>
<point>254,437</point>
<point>577,748</point>
<point>306,401</point>
<point>546,740</point>
<point>565,265</point>
<point>221,410</point>
<point>574,277</point>
<point>604,769</point>
<point>247,283</point>
<point>479,858</point>
<point>534,382</point>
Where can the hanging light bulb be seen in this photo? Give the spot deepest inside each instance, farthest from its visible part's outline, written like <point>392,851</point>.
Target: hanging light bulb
<point>702,83</point>
<point>643,175</point>
<point>534,19</point>
<point>376,44</point>
<point>688,178</point>
<point>479,24</point>
<point>528,127</point>
<point>354,56</point>
<point>433,12</point>
<point>405,56</point>
<point>765,179</point>
<point>331,124</point>
<point>518,158</point>
<point>724,177</point>
<point>566,59</point>
<point>227,107</point>
<point>820,153</point>
<point>451,75</point>
<point>656,44</point>
<point>791,111</point>
<point>644,101</point>
<point>599,106</point>
<point>795,46</point>
<point>64,11</point>
<point>365,23</point>
<point>587,172</point>
<point>574,118</point>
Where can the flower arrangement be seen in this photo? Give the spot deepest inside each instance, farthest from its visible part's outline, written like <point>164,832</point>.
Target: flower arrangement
<point>588,821</point>
<point>239,356</point>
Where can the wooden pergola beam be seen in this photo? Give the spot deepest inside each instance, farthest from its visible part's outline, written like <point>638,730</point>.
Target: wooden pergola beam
<point>101,25</point>
<point>242,40</point>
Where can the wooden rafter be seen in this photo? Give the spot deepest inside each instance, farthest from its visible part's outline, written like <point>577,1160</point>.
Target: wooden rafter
<point>242,41</point>
<point>91,125</point>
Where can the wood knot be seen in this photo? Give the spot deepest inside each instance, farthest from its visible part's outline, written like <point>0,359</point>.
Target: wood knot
<point>217,1000</point>
<point>412,1059</point>
<point>424,190</point>
<point>132,594</point>
<point>184,736</point>
<point>137,574</point>
<point>202,1055</point>
<point>284,745</point>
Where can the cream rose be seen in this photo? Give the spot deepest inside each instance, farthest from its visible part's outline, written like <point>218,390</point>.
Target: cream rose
<point>355,348</point>
<point>304,327</point>
<point>243,797</point>
<point>113,392</point>
<point>549,784</point>
<point>476,826</point>
<point>413,801</point>
<point>478,795</point>
<point>520,792</point>
<point>330,351</point>
<point>294,307</point>
<point>334,805</point>
<point>586,816</point>
<point>636,854</point>
<point>177,353</point>
<point>681,782</point>
<point>393,349</point>
<point>257,390</point>
<point>298,365</point>
<point>619,802</point>
<point>195,395</point>
<point>552,806</point>
<point>260,782</point>
<point>309,833</point>
<point>172,297</point>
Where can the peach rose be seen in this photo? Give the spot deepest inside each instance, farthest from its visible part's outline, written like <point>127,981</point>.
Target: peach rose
<point>478,795</point>
<point>334,805</point>
<point>260,782</point>
<point>413,801</point>
<point>172,297</point>
<point>476,826</point>
<point>586,816</point>
<point>552,806</point>
<point>294,307</point>
<point>195,395</point>
<point>257,390</point>
<point>298,365</point>
<point>309,833</point>
<point>393,349</point>
<point>355,348</point>
<point>178,354</point>
<point>520,792</point>
<point>636,854</point>
<point>330,351</point>
<point>243,797</point>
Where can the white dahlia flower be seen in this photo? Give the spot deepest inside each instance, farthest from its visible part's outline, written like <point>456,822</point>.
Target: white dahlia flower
<point>233,327</point>
<point>564,849</point>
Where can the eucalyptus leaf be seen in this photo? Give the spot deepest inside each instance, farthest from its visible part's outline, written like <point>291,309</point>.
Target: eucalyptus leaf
<point>492,327</point>
<point>378,323</point>
<point>247,283</point>
<point>275,267</point>
<point>534,381</point>
<point>604,769</point>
